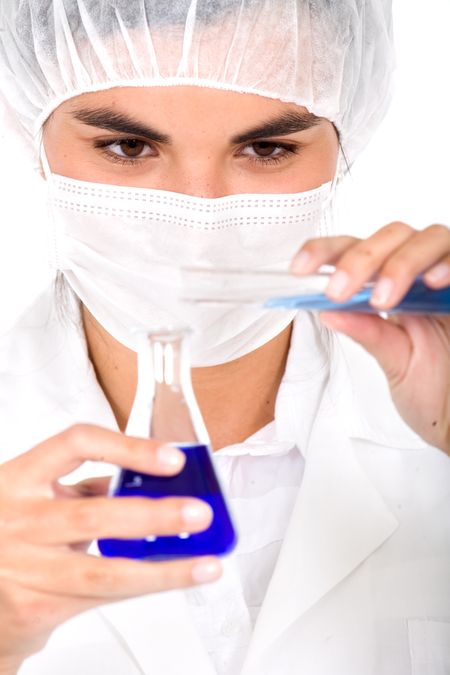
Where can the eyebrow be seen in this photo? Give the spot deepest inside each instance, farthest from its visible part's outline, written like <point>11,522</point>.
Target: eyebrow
<point>105,118</point>
<point>287,123</point>
<point>111,120</point>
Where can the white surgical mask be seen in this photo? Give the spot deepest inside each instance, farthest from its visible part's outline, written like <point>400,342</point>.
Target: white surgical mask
<point>111,241</point>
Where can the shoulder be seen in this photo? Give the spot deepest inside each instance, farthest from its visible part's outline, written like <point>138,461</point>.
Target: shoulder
<point>43,360</point>
<point>32,337</point>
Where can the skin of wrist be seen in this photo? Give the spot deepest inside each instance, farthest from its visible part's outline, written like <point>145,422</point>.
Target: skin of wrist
<point>9,667</point>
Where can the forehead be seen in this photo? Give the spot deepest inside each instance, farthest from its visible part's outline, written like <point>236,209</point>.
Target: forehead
<point>175,103</point>
<point>190,95</point>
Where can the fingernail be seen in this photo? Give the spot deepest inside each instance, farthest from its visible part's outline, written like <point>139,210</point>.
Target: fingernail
<point>382,291</point>
<point>206,571</point>
<point>300,262</point>
<point>438,273</point>
<point>338,283</point>
<point>170,456</point>
<point>197,512</point>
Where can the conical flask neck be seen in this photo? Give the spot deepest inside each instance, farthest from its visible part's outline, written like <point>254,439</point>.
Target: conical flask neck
<point>175,414</point>
<point>169,360</point>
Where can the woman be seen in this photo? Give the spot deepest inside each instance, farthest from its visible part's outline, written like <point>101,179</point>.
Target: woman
<point>340,492</point>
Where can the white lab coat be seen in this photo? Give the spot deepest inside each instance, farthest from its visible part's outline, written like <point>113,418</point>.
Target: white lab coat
<point>361,586</point>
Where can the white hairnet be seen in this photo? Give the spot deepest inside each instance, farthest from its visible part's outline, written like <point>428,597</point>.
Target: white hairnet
<point>333,56</point>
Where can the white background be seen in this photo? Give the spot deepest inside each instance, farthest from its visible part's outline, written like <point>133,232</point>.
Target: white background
<point>403,175</point>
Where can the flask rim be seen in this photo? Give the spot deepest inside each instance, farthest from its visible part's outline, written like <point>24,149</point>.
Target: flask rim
<point>168,333</point>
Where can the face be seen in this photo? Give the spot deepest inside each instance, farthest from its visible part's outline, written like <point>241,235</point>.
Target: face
<point>191,140</point>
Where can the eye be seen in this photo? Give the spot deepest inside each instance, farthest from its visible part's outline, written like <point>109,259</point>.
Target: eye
<point>266,152</point>
<point>126,151</point>
<point>263,149</point>
<point>130,148</point>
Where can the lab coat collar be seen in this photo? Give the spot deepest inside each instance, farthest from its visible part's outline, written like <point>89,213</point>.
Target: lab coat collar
<point>356,384</point>
<point>361,392</point>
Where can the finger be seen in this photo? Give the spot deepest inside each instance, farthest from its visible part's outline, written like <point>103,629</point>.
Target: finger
<point>359,263</point>
<point>63,453</point>
<point>387,342</point>
<point>439,275</point>
<point>418,254</point>
<point>80,520</point>
<point>91,487</point>
<point>321,251</point>
<point>76,575</point>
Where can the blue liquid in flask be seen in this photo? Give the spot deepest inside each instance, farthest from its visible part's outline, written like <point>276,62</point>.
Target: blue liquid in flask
<point>174,418</point>
<point>196,479</point>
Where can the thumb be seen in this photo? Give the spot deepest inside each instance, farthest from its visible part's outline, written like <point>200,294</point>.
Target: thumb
<point>385,339</point>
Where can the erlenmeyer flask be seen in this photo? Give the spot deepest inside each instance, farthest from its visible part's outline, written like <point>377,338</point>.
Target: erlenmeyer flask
<point>165,409</point>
